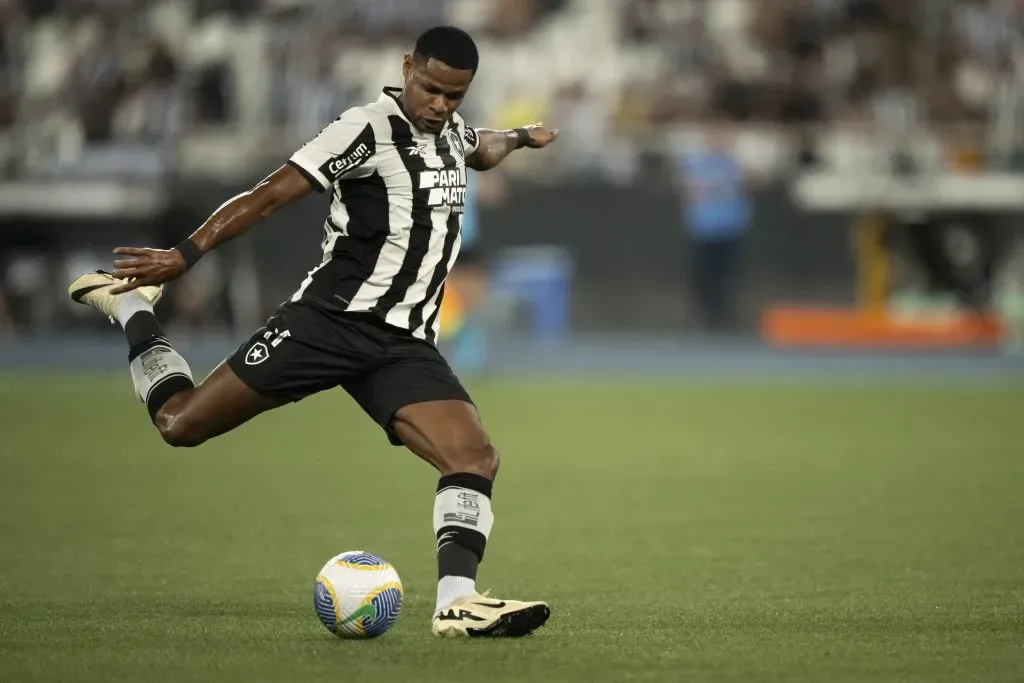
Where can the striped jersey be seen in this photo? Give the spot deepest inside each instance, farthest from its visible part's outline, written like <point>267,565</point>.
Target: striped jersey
<point>395,223</point>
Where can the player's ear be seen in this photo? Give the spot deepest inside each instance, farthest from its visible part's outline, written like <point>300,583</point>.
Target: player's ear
<point>407,66</point>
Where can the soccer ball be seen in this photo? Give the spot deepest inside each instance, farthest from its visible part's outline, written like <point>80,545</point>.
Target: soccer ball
<point>357,595</point>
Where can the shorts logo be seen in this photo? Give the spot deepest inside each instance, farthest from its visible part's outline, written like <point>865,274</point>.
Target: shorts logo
<point>256,354</point>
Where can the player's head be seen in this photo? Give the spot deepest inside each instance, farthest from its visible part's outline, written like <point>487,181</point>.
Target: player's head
<point>437,76</point>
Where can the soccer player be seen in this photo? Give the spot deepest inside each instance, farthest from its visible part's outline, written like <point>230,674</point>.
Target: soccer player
<point>365,318</point>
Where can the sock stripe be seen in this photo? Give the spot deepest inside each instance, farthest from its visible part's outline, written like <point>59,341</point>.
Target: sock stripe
<point>464,480</point>
<point>137,350</point>
<point>142,328</point>
<point>471,540</point>
<point>162,392</point>
<point>162,380</point>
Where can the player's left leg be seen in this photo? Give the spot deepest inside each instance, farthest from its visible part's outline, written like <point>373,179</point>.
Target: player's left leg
<point>184,413</point>
<point>422,405</point>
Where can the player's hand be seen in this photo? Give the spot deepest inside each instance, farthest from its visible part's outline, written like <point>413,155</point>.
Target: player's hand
<point>540,136</point>
<point>147,267</point>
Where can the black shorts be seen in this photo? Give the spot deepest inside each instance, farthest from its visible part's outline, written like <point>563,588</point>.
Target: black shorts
<point>303,350</point>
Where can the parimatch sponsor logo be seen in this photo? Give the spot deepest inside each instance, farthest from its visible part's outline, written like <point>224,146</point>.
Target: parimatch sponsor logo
<point>447,186</point>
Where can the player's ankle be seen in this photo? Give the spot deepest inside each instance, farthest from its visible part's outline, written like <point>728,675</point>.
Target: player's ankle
<point>452,588</point>
<point>128,304</point>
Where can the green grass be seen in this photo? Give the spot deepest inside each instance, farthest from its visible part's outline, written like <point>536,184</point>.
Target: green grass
<point>741,533</point>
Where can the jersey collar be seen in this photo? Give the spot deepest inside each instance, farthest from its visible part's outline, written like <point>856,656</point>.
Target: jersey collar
<point>391,94</point>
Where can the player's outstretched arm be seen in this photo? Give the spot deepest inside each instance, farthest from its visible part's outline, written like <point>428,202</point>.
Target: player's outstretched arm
<point>284,186</point>
<point>495,145</point>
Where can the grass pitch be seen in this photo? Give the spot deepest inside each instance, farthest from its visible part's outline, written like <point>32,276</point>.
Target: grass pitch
<point>740,533</point>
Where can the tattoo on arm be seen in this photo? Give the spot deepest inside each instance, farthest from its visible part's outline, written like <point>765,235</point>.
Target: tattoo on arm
<point>494,146</point>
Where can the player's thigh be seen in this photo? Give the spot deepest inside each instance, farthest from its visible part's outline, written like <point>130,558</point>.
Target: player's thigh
<point>449,435</point>
<point>299,352</point>
<point>420,403</point>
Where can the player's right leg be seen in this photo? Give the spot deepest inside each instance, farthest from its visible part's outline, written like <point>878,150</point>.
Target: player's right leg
<point>420,403</point>
<point>185,414</point>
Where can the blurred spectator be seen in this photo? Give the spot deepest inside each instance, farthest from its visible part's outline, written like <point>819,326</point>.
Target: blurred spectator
<point>717,216</point>
<point>12,27</point>
<point>514,18</point>
<point>228,86</point>
<point>151,109</point>
<point>95,83</point>
<point>584,140</point>
<point>814,66</point>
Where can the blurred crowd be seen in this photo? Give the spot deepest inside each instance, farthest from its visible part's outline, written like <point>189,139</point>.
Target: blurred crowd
<point>759,88</point>
<point>129,83</point>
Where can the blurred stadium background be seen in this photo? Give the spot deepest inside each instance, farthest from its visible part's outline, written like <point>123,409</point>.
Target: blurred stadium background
<point>880,145</point>
<point>749,190</point>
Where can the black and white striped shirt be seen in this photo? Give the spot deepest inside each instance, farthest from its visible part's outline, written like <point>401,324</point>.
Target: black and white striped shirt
<point>394,228</point>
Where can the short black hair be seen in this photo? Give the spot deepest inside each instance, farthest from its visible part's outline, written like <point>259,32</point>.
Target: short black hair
<point>450,45</point>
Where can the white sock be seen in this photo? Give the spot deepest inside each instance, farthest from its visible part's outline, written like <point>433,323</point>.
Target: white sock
<point>451,588</point>
<point>128,304</point>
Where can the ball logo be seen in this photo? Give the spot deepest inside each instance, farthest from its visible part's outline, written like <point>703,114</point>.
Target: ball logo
<point>257,353</point>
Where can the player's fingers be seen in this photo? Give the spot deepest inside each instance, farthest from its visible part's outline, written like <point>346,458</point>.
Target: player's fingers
<point>131,251</point>
<point>124,273</point>
<point>127,287</point>
<point>128,263</point>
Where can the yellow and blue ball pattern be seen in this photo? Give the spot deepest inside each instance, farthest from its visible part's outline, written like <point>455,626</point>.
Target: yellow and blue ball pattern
<point>357,595</point>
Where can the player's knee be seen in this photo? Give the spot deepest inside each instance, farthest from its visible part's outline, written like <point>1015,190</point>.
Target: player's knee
<point>177,429</point>
<point>475,454</point>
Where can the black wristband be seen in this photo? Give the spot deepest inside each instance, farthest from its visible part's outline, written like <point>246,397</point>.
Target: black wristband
<point>522,137</point>
<point>189,251</point>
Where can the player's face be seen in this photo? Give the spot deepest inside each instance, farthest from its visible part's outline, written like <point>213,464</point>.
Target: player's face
<point>433,92</point>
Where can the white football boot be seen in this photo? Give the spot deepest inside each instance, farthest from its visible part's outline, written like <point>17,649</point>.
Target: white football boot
<point>93,289</point>
<point>478,616</point>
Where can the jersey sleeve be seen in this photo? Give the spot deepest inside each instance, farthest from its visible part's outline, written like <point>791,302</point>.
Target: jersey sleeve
<point>470,138</point>
<point>345,148</point>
